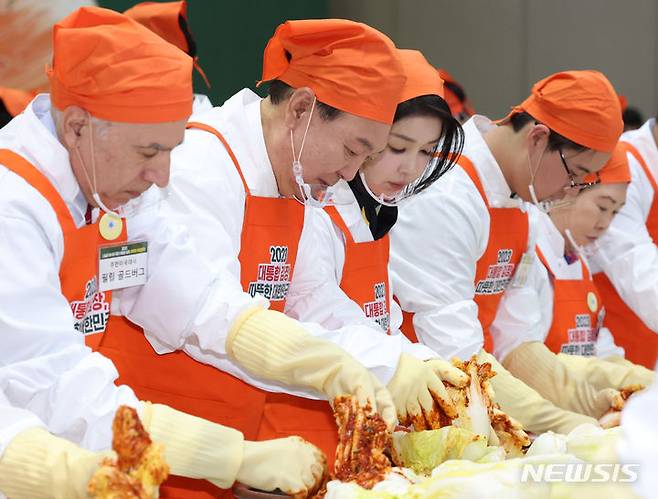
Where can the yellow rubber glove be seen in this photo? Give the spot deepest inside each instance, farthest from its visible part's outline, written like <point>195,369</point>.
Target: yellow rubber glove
<point>524,404</point>
<point>291,464</point>
<point>195,447</point>
<point>417,384</point>
<point>534,364</point>
<point>639,375</point>
<point>37,464</point>
<point>277,348</point>
<point>607,373</point>
<point>618,359</point>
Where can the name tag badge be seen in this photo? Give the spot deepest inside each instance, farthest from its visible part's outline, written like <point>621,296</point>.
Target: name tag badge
<point>522,269</point>
<point>122,265</point>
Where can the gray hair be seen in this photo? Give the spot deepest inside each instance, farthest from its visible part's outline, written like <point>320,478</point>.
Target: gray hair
<point>100,126</point>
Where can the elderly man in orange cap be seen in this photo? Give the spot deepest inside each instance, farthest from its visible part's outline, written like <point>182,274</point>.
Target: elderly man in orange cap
<point>243,183</point>
<point>101,141</point>
<point>477,233</point>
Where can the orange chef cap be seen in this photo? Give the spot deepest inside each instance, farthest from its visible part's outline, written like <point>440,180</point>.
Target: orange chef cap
<point>349,65</point>
<point>457,104</point>
<point>169,21</point>
<point>15,100</point>
<point>422,77</point>
<point>579,105</point>
<point>118,70</point>
<point>616,170</point>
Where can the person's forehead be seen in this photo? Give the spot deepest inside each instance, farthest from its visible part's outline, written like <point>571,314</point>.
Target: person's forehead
<point>596,193</point>
<point>417,128</point>
<point>588,160</point>
<point>613,190</point>
<point>162,134</point>
<point>371,130</point>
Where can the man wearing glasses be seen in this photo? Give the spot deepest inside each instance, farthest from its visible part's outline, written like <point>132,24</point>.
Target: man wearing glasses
<point>456,249</point>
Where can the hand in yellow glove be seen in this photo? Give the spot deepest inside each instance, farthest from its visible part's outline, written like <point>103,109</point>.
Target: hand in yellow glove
<point>611,372</point>
<point>524,404</point>
<point>277,348</point>
<point>291,464</point>
<point>37,464</point>
<point>538,367</point>
<point>194,447</point>
<point>417,386</point>
<point>197,448</point>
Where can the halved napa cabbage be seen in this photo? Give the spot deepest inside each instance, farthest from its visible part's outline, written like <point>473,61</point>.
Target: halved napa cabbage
<point>423,451</point>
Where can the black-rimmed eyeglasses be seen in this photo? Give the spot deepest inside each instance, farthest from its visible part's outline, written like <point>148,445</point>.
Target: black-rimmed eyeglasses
<point>572,178</point>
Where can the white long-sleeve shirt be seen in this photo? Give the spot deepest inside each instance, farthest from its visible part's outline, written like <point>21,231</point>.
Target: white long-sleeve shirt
<point>537,302</point>
<point>315,293</point>
<point>436,243</point>
<point>626,252</point>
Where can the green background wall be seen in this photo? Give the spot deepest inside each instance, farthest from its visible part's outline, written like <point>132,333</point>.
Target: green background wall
<point>231,36</point>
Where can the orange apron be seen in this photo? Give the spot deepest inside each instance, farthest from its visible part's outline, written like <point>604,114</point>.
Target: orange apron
<point>365,273</point>
<point>577,313</point>
<point>79,265</point>
<point>508,240</point>
<point>640,342</point>
<point>270,235</point>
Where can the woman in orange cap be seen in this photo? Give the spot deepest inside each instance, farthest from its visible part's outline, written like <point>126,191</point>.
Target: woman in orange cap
<point>101,141</point>
<point>592,214</point>
<point>577,225</point>
<point>568,312</point>
<point>456,249</point>
<point>625,262</point>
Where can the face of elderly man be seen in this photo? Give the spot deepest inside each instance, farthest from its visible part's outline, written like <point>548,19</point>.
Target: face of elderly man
<point>122,160</point>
